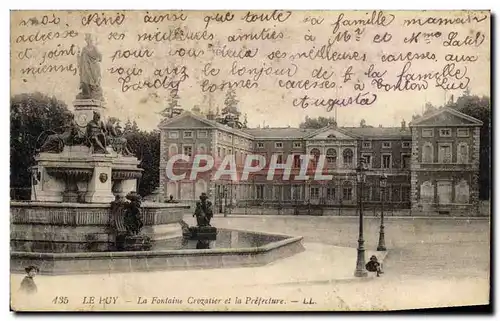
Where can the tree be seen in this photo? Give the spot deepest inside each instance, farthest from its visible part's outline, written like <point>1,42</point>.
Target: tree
<point>146,147</point>
<point>317,123</point>
<point>173,107</point>
<point>32,116</point>
<point>480,108</point>
<point>231,103</point>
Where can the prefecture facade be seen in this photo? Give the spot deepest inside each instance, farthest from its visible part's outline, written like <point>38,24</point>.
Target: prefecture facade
<point>431,165</point>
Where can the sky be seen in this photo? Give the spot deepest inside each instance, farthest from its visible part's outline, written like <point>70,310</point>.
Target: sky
<point>268,104</point>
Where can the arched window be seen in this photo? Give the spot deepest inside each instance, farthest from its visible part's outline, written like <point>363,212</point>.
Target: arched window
<point>427,192</point>
<point>202,149</point>
<point>331,157</point>
<point>427,153</point>
<point>463,153</point>
<point>315,152</point>
<point>172,150</point>
<point>347,155</point>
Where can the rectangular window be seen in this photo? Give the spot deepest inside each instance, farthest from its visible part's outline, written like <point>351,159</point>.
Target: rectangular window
<point>202,134</point>
<point>463,132</point>
<point>218,151</point>
<point>368,159</point>
<point>367,144</point>
<point>297,145</point>
<point>445,132</point>
<point>405,161</point>
<point>279,159</point>
<point>188,150</point>
<point>386,145</point>
<point>445,153</point>
<point>278,145</point>
<point>296,160</point>
<point>219,134</point>
<point>260,145</point>
<point>188,134</point>
<point>330,193</point>
<point>386,161</point>
<point>347,193</point>
<point>173,135</point>
<point>428,132</point>
<point>314,193</point>
<point>406,144</point>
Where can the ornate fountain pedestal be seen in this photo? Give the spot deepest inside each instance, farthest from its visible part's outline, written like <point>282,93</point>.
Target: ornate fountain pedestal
<point>78,176</point>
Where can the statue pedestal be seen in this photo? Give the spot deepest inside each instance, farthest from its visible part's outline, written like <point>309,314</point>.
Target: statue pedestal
<point>99,186</point>
<point>77,175</point>
<point>84,110</point>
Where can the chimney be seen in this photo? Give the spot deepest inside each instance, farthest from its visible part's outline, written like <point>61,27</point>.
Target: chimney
<point>403,125</point>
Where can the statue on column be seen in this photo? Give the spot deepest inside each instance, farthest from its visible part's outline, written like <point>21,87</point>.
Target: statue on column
<point>90,72</point>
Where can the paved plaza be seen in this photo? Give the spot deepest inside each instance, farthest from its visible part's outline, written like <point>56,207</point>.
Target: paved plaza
<point>430,262</point>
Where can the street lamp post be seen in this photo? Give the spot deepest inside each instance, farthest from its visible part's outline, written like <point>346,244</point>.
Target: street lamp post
<point>381,239</point>
<point>360,261</point>
<point>225,201</point>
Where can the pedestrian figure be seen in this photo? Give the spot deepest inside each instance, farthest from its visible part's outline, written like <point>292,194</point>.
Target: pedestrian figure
<point>28,284</point>
<point>374,265</point>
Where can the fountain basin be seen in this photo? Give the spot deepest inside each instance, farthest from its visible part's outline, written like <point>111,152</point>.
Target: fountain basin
<point>233,248</point>
<point>73,227</point>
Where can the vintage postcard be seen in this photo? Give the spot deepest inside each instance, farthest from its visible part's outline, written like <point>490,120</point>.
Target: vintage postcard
<point>249,160</point>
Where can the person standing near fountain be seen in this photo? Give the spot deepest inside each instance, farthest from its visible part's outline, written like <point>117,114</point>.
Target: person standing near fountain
<point>90,71</point>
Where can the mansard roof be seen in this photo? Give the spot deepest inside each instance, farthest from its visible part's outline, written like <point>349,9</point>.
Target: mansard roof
<point>379,132</point>
<point>278,132</point>
<point>180,121</point>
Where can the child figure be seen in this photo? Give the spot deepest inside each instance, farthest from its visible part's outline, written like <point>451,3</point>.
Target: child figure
<point>28,284</point>
<point>374,266</point>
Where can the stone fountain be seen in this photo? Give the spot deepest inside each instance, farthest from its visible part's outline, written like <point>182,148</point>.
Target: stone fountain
<point>84,183</point>
<point>85,215</point>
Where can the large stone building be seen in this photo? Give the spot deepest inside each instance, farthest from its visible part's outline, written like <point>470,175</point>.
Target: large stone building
<point>423,173</point>
<point>445,162</point>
